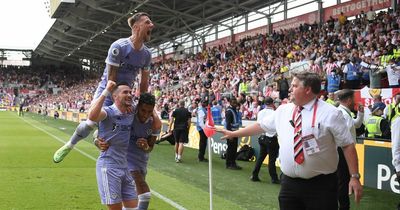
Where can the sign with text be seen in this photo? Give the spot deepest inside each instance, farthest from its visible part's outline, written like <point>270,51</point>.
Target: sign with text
<point>353,8</point>
<point>295,22</point>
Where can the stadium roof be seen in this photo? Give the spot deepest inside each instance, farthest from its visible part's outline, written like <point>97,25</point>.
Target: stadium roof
<point>86,28</point>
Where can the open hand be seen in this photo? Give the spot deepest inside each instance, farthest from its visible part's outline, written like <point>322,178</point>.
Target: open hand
<point>226,134</point>
<point>356,188</point>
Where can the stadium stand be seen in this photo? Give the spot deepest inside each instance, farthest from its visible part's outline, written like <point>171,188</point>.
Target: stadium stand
<point>251,69</point>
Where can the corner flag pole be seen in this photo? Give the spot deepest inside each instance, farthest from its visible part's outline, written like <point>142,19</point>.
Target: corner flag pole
<point>210,171</point>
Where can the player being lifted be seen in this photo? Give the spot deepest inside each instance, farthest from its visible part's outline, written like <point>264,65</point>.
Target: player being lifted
<point>126,58</point>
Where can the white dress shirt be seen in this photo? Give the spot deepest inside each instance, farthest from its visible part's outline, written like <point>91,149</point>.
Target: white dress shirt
<point>350,121</point>
<point>266,112</point>
<point>396,143</point>
<point>330,131</point>
<point>201,115</point>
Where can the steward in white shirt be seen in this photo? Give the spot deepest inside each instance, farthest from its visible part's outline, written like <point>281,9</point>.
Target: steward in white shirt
<point>309,178</point>
<point>396,148</point>
<point>346,100</point>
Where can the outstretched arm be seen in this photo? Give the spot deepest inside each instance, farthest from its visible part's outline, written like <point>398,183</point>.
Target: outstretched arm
<point>247,131</point>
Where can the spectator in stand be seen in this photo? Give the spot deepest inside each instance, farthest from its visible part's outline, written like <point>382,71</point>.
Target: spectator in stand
<point>315,68</point>
<point>393,73</point>
<point>351,74</point>
<point>244,86</point>
<point>371,15</point>
<point>283,87</point>
<point>334,80</point>
<point>329,66</point>
<point>342,19</point>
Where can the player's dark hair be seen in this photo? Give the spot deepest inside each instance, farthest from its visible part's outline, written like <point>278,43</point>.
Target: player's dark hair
<point>120,84</point>
<point>147,98</point>
<point>123,83</point>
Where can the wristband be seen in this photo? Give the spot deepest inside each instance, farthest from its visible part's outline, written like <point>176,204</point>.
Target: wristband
<point>105,93</point>
<point>156,133</point>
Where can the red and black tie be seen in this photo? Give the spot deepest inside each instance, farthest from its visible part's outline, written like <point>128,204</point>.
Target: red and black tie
<point>298,143</point>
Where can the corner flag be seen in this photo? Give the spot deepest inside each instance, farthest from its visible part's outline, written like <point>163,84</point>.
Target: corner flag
<point>209,129</point>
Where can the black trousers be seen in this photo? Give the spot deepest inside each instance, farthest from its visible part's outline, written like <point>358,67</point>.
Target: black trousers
<point>317,193</point>
<point>231,151</point>
<point>202,145</point>
<point>343,182</point>
<point>268,146</point>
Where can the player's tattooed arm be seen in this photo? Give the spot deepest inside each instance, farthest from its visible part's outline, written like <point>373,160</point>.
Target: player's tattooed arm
<point>112,72</point>
<point>144,80</point>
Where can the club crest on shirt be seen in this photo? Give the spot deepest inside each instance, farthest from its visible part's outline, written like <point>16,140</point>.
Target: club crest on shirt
<point>149,132</point>
<point>115,51</point>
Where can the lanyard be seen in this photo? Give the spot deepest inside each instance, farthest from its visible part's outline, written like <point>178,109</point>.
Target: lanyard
<point>347,112</point>
<point>315,107</point>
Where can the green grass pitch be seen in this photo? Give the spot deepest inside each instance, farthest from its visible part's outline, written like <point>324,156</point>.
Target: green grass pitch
<point>30,180</point>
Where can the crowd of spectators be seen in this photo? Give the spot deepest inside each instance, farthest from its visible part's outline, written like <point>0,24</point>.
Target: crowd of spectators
<point>345,53</point>
<point>61,87</point>
<point>356,53</point>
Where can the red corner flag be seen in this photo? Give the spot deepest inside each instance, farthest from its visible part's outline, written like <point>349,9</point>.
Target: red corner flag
<point>209,129</point>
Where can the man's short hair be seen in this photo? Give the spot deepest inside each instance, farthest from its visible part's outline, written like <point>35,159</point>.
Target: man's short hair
<point>132,20</point>
<point>123,83</point>
<point>120,84</point>
<point>147,98</point>
<point>309,79</point>
<point>345,94</point>
<point>269,100</point>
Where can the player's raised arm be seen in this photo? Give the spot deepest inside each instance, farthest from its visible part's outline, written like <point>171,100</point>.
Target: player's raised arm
<point>112,72</point>
<point>96,113</point>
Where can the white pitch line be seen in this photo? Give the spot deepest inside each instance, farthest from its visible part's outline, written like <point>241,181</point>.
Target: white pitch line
<point>167,200</point>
